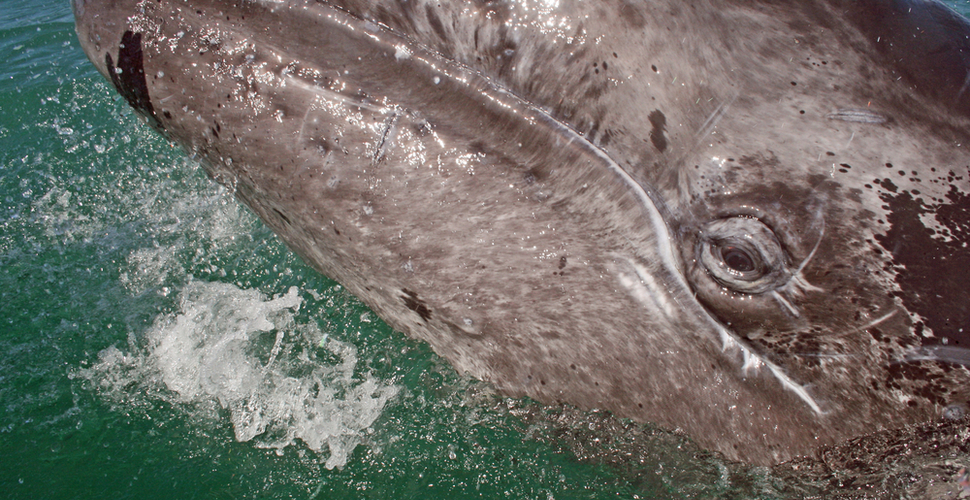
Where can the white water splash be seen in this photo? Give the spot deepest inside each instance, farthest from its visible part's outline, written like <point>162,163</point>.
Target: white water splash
<point>248,354</point>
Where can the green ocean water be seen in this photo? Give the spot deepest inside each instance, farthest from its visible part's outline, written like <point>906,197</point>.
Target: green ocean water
<point>157,341</point>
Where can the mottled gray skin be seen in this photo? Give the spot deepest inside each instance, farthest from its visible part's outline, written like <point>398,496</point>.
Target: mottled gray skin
<point>682,212</point>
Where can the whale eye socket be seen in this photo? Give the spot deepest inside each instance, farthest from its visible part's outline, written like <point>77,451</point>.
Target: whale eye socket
<point>743,254</point>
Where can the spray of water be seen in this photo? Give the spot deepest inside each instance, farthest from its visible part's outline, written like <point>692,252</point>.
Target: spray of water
<point>280,380</point>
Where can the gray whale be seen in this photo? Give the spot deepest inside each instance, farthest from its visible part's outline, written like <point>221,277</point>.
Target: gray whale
<point>746,220</point>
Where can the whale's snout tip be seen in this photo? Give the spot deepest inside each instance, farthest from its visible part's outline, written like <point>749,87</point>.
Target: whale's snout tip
<point>99,25</point>
<point>83,27</point>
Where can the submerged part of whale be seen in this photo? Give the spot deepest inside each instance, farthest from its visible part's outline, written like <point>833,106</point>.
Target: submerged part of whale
<point>747,220</point>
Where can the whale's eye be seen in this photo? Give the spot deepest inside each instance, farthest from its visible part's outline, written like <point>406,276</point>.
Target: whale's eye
<point>743,254</point>
<point>737,259</point>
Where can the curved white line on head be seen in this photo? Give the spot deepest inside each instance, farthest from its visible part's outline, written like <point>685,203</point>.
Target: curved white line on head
<point>708,126</point>
<point>797,284</point>
<point>792,386</point>
<point>658,292</point>
<point>876,321</point>
<point>811,254</point>
<point>781,300</point>
<point>646,290</point>
<point>752,360</point>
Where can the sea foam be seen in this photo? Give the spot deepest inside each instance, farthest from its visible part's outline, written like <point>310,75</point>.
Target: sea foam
<point>280,380</point>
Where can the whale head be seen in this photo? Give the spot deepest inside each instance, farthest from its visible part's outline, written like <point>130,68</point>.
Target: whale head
<point>746,220</point>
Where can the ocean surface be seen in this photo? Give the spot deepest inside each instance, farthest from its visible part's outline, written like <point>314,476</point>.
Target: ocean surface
<point>157,341</point>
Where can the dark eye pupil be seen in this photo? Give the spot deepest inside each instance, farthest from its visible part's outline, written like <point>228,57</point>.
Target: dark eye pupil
<point>737,259</point>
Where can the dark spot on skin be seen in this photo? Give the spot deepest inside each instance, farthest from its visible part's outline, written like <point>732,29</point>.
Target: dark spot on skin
<point>654,68</point>
<point>932,272</point>
<point>285,218</point>
<point>605,138</point>
<point>887,185</point>
<point>659,123</point>
<point>435,22</point>
<point>129,77</point>
<point>632,15</point>
<point>562,262</point>
<point>876,334</point>
<point>918,379</point>
<point>417,305</point>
